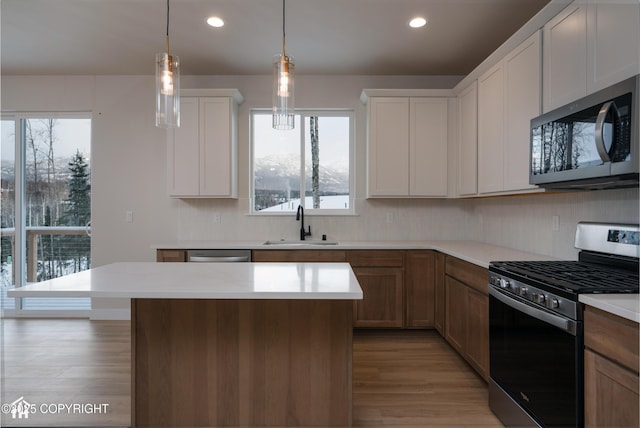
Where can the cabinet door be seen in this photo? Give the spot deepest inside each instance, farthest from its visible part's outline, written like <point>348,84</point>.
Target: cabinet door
<point>477,345</point>
<point>455,325</point>
<point>439,293</point>
<point>428,146</point>
<point>382,303</point>
<point>522,72</point>
<point>388,151</point>
<point>217,151</point>
<point>468,140</point>
<point>183,167</point>
<point>420,288</point>
<point>613,34</point>
<point>610,393</point>
<point>565,56</point>
<point>491,130</point>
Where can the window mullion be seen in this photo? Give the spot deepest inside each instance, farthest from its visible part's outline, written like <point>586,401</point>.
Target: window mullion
<point>19,255</point>
<point>303,172</point>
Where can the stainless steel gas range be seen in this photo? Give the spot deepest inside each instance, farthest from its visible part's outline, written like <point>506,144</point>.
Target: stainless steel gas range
<point>536,331</point>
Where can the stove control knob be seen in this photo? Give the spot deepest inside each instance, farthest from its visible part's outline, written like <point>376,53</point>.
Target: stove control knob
<point>515,289</point>
<point>523,291</point>
<point>553,303</point>
<point>538,298</point>
<point>505,283</point>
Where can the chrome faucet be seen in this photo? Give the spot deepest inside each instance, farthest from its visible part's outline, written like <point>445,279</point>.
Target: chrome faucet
<point>300,217</point>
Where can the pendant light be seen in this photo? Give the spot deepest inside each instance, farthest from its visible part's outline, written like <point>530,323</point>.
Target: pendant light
<point>283,88</point>
<point>167,86</point>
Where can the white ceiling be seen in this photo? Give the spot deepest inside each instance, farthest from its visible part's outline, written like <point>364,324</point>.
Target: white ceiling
<point>368,37</point>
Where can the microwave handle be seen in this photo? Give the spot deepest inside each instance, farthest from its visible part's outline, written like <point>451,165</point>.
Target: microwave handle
<point>600,121</point>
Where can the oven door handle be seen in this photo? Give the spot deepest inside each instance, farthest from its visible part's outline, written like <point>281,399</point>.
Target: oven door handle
<point>562,323</point>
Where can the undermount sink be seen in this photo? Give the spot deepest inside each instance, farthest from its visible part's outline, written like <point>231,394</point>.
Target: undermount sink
<point>299,243</point>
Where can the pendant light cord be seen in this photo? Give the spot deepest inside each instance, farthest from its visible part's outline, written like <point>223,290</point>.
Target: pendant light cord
<point>167,27</point>
<point>283,31</point>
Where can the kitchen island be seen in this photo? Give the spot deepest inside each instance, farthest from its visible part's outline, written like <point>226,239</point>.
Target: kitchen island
<point>231,344</point>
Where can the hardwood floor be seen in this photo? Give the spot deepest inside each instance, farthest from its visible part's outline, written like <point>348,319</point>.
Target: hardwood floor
<point>400,378</point>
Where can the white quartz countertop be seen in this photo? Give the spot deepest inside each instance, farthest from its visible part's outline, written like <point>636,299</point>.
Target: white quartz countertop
<point>624,305</point>
<point>204,281</point>
<point>475,252</point>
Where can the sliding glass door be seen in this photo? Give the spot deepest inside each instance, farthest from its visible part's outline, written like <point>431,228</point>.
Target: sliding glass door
<point>45,219</point>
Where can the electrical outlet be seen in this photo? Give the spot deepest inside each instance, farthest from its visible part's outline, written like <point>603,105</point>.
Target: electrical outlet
<point>217,218</point>
<point>555,223</point>
<point>128,216</point>
<point>390,217</point>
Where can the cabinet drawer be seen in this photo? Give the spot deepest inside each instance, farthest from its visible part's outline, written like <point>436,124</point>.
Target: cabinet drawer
<point>612,336</point>
<point>171,255</point>
<point>472,275</point>
<point>376,258</point>
<point>298,256</point>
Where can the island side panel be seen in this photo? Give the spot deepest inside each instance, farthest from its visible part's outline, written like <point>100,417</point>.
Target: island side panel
<point>241,362</point>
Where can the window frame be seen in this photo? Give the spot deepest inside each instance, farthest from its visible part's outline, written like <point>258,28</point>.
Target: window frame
<point>300,127</point>
<point>20,251</point>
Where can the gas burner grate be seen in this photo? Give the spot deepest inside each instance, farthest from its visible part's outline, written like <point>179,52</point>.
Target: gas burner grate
<point>577,277</point>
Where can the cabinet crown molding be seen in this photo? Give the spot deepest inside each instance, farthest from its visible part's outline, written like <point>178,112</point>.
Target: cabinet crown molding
<point>433,93</point>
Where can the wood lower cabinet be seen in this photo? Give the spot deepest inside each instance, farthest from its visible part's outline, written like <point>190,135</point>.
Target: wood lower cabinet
<point>477,352</point>
<point>611,365</point>
<point>382,305</point>
<point>456,307</point>
<point>420,289</point>
<point>171,255</point>
<point>467,312</point>
<point>439,293</point>
<point>381,277</point>
<point>300,256</point>
<point>398,285</point>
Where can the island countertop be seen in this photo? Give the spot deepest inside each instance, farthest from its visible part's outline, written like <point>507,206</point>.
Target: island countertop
<point>148,280</point>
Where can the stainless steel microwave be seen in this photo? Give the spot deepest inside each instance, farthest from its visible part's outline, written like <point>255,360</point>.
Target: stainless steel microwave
<point>591,143</point>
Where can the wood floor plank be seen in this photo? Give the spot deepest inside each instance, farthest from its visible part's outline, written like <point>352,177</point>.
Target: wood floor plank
<point>404,379</point>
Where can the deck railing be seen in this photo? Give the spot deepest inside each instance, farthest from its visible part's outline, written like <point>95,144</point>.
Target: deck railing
<point>33,235</point>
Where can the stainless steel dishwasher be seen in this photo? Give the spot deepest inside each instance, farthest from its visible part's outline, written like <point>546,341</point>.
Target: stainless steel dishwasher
<point>218,256</point>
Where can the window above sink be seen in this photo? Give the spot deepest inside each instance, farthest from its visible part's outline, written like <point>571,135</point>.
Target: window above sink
<point>311,165</point>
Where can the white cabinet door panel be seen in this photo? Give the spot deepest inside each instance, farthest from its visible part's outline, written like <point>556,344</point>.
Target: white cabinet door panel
<point>389,146</point>
<point>522,103</point>
<point>491,130</point>
<point>468,140</point>
<point>428,146</point>
<point>565,57</point>
<point>215,151</point>
<point>183,152</point>
<point>613,40</point>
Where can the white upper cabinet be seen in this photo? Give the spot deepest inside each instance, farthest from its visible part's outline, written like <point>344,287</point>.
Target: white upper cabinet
<point>523,81</point>
<point>613,42</point>
<point>491,130</point>
<point>406,145</point>
<point>388,148</point>
<point>202,152</point>
<point>565,56</point>
<point>428,147</point>
<point>468,140</point>
<point>588,46</point>
<point>508,98</point>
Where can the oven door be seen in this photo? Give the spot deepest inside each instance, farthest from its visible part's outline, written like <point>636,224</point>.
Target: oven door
<point>535,364</point>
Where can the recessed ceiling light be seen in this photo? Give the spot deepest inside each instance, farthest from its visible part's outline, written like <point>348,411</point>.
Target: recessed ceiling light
<point>215,21</point>
<point>417,22</point>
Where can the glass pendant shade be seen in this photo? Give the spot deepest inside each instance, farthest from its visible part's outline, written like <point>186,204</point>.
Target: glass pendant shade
<point>167,90</point>
<point>283,92</point>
